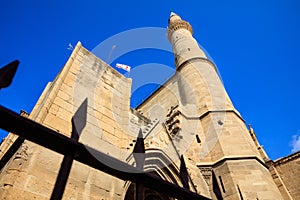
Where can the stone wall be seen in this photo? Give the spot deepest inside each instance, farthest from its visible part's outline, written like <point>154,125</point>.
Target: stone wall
<point>166,105</point>
<point>286,173</point>
<point>32,171</point>
<point>212,137</point>
<point>211,132</point>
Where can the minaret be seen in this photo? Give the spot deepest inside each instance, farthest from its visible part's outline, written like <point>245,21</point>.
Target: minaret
<point>238,170</point>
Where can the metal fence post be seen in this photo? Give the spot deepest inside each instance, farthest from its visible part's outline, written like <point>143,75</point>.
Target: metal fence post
<point>78,123</point>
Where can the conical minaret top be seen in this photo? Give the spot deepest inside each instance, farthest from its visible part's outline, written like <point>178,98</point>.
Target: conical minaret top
<point>174,14</point>
<point>175,23</point>
<point>184,46</point>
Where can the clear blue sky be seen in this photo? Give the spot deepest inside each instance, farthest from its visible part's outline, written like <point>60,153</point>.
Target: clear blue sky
<point>255,45</point>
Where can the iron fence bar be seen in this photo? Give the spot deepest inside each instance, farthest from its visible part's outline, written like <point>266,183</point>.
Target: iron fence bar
<point>64,170</point>
<point>11,151</point>
<point>35,132</point>
<point>139,157</point>
<point>62,177</point>
<point>78,123</point>
<point>7,73</point>
<point>184,173</point>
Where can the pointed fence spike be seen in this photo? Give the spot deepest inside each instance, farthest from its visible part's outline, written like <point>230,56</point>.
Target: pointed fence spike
<point>139,145</point>
<point>139,151</point>
<point>78,124</point>
<point>7,73</point>
<point>184,173</point>
<point>139,157</point>
<point>79,119</point>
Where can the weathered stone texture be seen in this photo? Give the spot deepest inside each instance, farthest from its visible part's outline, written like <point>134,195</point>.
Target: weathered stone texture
<point>250,176</point>
<point>32,175</point>
<point>191,115</point>
<point>288,170</point>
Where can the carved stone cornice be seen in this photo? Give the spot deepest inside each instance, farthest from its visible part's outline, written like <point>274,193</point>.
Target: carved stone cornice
<point>286,159</point>
<point>177,25</point>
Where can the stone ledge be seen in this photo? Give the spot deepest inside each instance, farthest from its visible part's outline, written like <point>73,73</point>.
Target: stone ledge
<point>221,161</point>
<point>286,159</point>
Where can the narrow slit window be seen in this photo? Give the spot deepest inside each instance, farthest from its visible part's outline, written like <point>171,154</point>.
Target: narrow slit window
<point>222,185</point>
<point>198,139</point>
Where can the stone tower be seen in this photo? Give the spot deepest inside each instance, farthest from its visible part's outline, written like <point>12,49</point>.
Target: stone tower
<point>189,117</point>
<point>238,169</point>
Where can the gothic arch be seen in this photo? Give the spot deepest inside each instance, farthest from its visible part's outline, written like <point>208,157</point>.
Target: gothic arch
<point>159,164</point>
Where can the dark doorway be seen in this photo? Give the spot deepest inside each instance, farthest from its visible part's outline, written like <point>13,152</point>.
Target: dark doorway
<point>148,194</point>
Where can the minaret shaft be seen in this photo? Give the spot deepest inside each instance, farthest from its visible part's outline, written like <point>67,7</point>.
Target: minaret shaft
<point>227,145</point>
<point>185,47</point>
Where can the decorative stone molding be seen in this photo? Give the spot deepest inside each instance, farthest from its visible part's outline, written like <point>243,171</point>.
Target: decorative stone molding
<point>179,24</point>
<point>207,174</point>
<point>286,159</point>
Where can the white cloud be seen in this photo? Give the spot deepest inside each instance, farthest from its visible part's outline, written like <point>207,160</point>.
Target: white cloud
<point>295,144</point>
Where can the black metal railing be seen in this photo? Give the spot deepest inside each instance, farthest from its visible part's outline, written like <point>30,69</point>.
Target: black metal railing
<point>74,150</point>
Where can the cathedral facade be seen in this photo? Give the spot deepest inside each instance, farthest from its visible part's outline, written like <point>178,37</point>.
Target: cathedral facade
<point>190,116</point>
